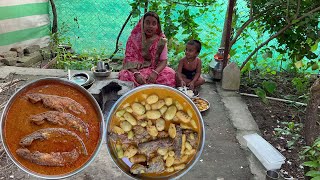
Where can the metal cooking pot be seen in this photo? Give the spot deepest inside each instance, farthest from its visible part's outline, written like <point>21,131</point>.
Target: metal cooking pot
<point>155,88</point>
<point>72,85</point>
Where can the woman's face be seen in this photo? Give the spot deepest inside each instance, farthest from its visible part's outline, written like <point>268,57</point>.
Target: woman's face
<point>150,26</point>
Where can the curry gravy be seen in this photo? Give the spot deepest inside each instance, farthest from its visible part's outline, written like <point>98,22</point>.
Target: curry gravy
<point>17,125</point>
<point>139,96</point>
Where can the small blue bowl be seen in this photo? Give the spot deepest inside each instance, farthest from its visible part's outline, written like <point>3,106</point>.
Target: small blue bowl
<point>80,78</point>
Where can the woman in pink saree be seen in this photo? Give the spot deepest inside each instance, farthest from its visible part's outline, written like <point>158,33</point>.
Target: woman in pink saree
<point>145,59</point>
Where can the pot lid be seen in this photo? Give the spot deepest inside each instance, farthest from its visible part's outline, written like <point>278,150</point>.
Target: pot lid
<point>219,57</point>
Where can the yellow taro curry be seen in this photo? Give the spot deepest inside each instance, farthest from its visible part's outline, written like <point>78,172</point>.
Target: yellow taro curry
<point>52,128</point>
<point>155,133</point>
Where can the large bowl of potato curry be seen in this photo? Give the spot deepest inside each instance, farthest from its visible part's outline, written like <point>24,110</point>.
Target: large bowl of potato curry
<point>52,128</point>
<point>155,132</point>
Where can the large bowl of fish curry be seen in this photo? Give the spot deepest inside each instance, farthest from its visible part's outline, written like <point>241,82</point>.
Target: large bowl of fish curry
<point>155,132</point>
<point>52,128</point>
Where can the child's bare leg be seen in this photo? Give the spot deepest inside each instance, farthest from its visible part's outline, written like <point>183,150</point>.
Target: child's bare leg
<point>199,82</point>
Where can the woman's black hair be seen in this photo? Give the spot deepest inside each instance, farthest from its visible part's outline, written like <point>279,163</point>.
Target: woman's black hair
<point>155,15</point>
<point>195,43</point>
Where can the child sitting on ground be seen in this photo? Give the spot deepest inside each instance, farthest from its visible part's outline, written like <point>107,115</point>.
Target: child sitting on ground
<point>189,68</point>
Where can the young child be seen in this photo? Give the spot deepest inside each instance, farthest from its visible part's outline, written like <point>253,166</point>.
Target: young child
<point>189,68</point>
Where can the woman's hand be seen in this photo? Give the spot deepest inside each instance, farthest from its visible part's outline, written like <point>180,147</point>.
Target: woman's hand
<point>139,78</point>
<point>152,78</point>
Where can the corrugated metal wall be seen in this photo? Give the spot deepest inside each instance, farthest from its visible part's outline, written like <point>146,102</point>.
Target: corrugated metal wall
<point>24,23</point>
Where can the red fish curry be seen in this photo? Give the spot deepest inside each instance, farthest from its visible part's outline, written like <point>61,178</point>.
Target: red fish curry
<point>59,144</point>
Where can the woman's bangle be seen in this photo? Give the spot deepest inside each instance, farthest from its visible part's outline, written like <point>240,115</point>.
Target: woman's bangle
<point>155,71</point>
<point>137,72</point>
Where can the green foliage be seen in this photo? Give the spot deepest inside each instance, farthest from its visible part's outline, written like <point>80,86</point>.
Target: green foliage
<point>311,155</point>
<point>177,15</point>
<point>262,94</point>
<point>300,40</point>
<point>247,68</point>
<point>83,61</point>
<point>301,84</point>
<point>59,38</point>
<point>66,59</point>
<point>291,130</point>
<point>269,86</point>
<point>283,85</point>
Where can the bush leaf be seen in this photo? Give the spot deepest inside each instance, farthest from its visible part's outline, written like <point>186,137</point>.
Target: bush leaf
<point>313,173</point>
<point>262,94</point>
<point>298,64</point>
<point>311,164</point>
<point>269,86</point>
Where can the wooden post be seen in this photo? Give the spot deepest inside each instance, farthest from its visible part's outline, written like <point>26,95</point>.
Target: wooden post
<point>228,33</point>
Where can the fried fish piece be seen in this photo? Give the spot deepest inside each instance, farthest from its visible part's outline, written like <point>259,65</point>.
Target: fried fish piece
<point>44,134</point>
<point>49,159</point>
<point>62,119</point>
<point>149,147</point>
<point>177,142</point>
<point>55,102</point>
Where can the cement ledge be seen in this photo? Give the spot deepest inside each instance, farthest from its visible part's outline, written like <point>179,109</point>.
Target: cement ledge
<point>6,70</point>
<point>244,123</point>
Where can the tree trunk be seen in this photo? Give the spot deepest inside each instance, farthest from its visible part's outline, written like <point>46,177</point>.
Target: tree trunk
<point>228,33</point>
<point>224,32</point>
<point>310,125</point>
<point>55,17</point>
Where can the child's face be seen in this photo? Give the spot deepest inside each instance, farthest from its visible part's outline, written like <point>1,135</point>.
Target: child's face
<point>150,25</point>
<point>191,51</point>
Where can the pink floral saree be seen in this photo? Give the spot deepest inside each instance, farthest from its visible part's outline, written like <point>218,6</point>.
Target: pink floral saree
<point>144,54</point>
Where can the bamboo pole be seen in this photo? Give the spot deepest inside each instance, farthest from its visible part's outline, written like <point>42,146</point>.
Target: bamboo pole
<point>276,99</point>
